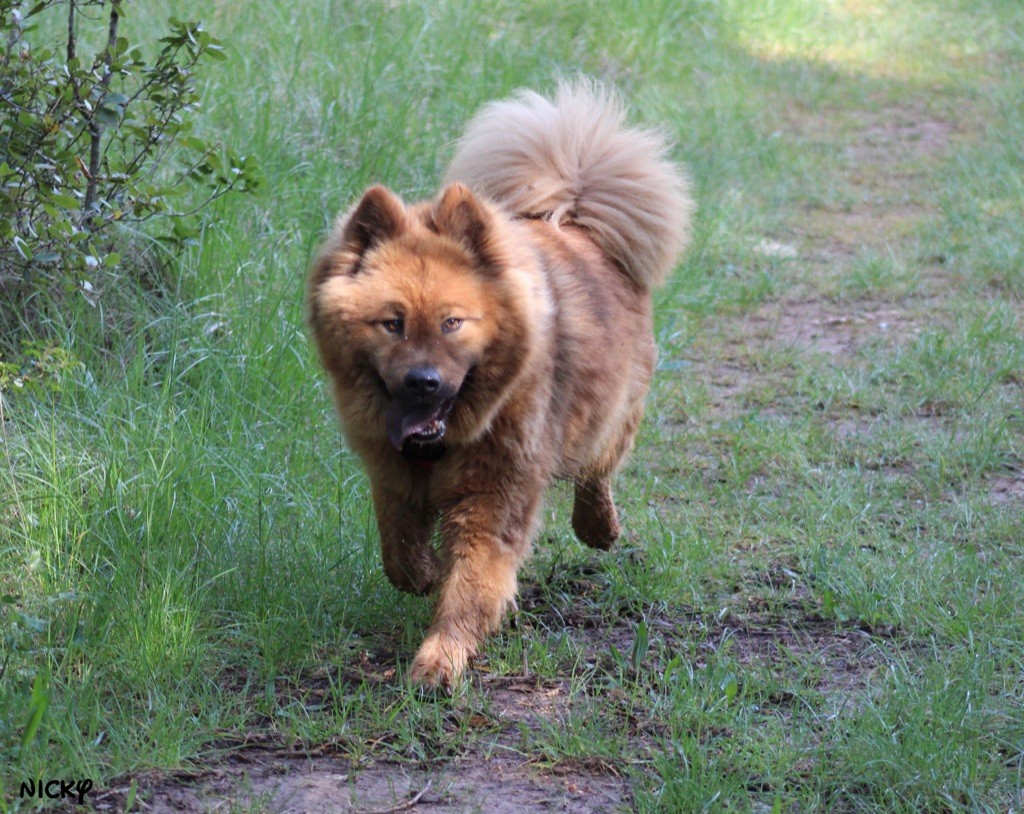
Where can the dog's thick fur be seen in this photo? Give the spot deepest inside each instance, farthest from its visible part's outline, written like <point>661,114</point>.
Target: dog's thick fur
<point>483,343</point>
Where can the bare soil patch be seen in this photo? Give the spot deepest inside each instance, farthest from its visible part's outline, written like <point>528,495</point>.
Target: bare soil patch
<point>750,359</point>
<point>288,785</point>
<point>885,184</point>
<point>830,328</point>
<point>1007,489</point>
<point>772,623</point>
<point>836,659</point>
<point>898,132</point>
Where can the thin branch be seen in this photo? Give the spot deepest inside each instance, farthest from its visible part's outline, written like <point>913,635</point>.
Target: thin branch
<point>95,128</point>
<point>71,32</point>
<point>152,145</point>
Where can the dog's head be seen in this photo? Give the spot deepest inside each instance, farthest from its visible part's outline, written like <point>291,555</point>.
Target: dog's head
<point>406,302</point>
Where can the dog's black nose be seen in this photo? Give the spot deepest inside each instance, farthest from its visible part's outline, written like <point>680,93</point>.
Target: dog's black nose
<point>422,381</point>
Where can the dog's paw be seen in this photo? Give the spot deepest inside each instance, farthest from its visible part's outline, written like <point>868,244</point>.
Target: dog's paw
<point>439,662</point>
<point>595,529</point>
<point>418,583</point>
<point>594,518</point>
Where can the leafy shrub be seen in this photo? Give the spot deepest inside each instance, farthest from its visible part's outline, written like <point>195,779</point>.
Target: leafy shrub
<point>93,147</point>
<point>41,368</point>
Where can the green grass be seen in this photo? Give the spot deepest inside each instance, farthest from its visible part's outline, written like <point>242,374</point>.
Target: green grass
<point>816,602</point>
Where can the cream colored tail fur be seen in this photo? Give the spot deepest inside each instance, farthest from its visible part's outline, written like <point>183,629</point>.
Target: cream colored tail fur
<point>574,160</point>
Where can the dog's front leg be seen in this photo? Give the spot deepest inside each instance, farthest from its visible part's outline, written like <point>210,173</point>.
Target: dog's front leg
<point>485,539</point>
<point>405,530</point>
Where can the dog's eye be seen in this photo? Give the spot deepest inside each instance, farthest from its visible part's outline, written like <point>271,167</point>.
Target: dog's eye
<point>451,324</point>
<point>393,326</point>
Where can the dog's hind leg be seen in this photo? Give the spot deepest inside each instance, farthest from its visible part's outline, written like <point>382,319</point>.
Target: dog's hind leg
<point>594,518</point>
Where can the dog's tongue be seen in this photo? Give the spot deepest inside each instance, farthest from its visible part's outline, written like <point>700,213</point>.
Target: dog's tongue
<point>402,421</point>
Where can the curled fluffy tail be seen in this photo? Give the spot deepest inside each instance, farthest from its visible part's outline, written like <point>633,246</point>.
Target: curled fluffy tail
<point>574,160</point>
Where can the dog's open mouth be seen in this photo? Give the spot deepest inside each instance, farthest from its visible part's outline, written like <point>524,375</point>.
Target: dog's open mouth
<point>417,430</point>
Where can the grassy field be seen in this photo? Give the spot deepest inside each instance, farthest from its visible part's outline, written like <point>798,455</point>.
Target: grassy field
<point>817,601</point>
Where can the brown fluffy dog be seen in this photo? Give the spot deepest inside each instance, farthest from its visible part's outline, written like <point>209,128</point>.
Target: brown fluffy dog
<point>483,343</point>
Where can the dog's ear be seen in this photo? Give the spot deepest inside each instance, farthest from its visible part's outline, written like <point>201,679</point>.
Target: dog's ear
<point>459,215</point>
<point>379,216</point>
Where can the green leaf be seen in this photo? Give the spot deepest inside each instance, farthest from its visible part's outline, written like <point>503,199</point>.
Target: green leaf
<point>107,116</point>
<point>193,143</point>
<point>828,603</point>
<point>133,790</point>
<point>66,201</point>
<point>730,686</point>
<point>37,706</point>
<point>674,664</point>
<point>183,230</point>
<point>641,644</point>
<point>22,247</point>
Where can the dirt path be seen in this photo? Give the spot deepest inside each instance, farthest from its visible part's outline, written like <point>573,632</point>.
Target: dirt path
<point>292,785</point>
